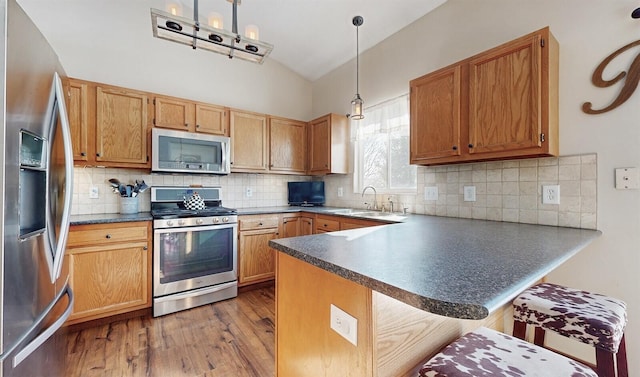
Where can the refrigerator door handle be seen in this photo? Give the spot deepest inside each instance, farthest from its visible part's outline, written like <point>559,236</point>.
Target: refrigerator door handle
<point>46,334</point>
<point>61,242</point>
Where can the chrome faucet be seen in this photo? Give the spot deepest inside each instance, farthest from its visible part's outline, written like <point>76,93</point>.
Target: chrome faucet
<point>375,203</point>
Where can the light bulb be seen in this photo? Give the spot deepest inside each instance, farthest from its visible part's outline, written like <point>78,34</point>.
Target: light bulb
<point>356,107</point>
<point>215,20</point>
<point>252,32</point>
<point>174,8</point>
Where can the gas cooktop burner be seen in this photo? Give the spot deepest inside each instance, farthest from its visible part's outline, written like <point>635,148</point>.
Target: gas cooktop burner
<point>169,202</point>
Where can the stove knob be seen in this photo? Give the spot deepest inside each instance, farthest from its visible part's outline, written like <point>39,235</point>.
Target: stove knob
<point>181,222</point>
<point>169,223</point>
<point>216,220</point>
<point>225,219</point>
<point>199,221</point>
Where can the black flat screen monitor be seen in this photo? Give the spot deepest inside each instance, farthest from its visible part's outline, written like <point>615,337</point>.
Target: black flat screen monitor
<point>310,193</point>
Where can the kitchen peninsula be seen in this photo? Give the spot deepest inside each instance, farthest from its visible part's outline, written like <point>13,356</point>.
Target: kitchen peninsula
<point>413,287</point>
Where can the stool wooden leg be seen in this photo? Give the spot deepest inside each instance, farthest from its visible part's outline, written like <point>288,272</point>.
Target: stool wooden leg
<point>604,363</point>
<point>519,329</point>
<point>538,338</point>
<point>621,359</point>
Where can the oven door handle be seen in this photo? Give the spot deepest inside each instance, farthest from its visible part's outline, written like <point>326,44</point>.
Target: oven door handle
<point>194,228</point>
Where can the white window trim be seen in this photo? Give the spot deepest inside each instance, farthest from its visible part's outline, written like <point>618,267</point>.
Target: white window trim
<point>357,184</point>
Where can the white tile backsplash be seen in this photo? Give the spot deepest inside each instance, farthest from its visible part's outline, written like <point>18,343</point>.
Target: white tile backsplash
<point>505,191</point>
<point>268,190</point>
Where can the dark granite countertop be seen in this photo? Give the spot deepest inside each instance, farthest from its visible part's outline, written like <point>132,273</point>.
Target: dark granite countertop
<point>105,218</point>
<point>459,268</point>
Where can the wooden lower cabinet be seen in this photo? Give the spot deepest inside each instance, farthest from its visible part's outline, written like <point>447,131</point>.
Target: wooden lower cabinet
<point>256,260</point>
<point>393,338</point>
<point>306,225</point>
<point>110,269</point>
<point>327,223</point>
<point>291,225</point>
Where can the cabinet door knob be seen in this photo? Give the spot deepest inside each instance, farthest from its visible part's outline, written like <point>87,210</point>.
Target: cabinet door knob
<point>455,148</point>
<point>197,126</point>
<point>260,224</point>
<point>470,145</point>
<point>186,125</point>
<point>108,236</point>
<point>97,154</point>
<point>145,248</point>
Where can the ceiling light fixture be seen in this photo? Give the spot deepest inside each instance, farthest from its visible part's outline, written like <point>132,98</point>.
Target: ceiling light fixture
<point>357,102</point>
<point>210,36</point>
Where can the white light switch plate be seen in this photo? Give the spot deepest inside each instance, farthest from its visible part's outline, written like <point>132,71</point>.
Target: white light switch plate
<point>431,193</point>
<point>94,192</point>
<point>344,324</point>
<point>627,179</point>
<point>469,193</point>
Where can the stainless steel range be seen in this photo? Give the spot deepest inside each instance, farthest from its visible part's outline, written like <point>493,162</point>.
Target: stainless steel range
<point>195,253</point>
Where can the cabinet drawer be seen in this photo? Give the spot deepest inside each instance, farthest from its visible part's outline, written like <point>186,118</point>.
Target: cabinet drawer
<point>327,225</point>
<point>259,222</point>
<point>83,235</point>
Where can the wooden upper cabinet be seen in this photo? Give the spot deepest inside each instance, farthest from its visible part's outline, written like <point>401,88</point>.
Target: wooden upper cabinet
<point>328,145</point>
<point>287,146</point>
<point>173,113</point>
<point>212,119</point>
<point>121,126</point>
<point>436,115</point>
<point>78,113</point>
<point>185,115</point>
<point>508,105</point>
<point>505,97</point>
<point>249,141</point>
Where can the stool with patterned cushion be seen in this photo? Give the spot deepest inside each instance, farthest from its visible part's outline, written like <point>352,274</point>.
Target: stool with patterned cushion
<point>486,352</point>
<point>588,317</point>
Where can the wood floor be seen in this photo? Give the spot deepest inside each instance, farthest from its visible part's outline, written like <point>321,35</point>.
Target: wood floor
<point>229,338</point>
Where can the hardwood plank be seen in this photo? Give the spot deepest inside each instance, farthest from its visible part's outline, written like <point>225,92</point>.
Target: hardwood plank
<point>229,338</point>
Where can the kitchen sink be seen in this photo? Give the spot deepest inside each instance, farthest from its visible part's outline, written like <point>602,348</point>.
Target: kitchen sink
<point>369,214</point>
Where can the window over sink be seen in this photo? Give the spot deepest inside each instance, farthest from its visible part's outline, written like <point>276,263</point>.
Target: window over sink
<point>381,148</point>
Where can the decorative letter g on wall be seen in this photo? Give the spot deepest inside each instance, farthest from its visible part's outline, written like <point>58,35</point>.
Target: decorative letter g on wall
<point>630,82</point>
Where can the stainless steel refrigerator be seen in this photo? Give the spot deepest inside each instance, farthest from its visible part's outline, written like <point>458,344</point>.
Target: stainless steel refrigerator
<point>36,177</point>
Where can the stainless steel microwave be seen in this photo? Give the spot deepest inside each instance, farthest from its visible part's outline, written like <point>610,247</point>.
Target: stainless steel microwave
<point>188,152</point>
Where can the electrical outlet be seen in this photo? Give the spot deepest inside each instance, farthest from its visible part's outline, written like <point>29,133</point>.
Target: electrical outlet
<point>94,192</point>
<point>248,192</point>
<point>469,193</point>
<point>551,194</point>
<point>431,193</point>
<point>340,192</point>
<point>344,324</point>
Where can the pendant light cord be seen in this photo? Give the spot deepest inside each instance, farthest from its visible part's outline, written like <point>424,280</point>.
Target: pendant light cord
<point>357,60</point>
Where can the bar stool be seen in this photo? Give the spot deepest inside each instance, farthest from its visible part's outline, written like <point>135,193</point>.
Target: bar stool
<point>587,317</point>
<point>486,352</point>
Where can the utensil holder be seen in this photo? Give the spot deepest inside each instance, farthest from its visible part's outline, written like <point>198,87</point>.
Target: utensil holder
<point>128,205</point>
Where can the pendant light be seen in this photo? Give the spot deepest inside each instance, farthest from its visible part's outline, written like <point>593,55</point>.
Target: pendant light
<point>357,102</point>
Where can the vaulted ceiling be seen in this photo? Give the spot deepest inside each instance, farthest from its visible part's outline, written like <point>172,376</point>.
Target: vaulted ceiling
<point>311,37</point>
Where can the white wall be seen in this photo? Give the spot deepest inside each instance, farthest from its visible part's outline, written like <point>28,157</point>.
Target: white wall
<point>125,53</point>
<point>588,31</point>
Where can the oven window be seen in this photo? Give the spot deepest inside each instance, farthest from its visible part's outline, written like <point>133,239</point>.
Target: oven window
<point>191,254</point>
